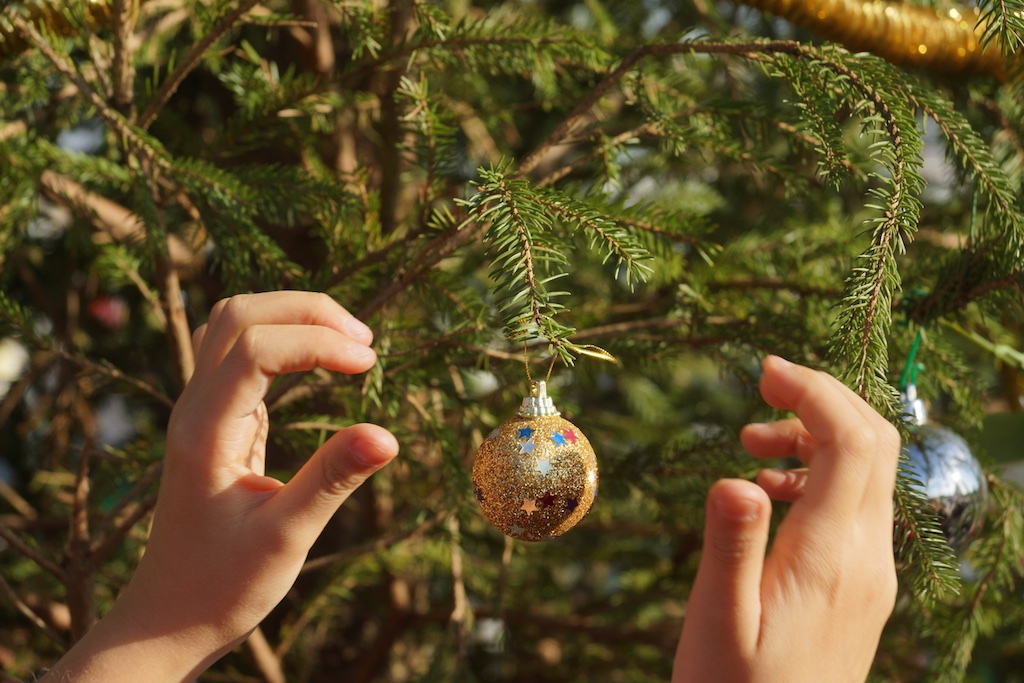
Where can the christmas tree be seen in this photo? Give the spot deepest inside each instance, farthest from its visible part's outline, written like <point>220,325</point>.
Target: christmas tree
<point>502,191</point>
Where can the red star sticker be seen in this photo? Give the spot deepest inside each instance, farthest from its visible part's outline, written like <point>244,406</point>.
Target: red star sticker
<point>570,435</point>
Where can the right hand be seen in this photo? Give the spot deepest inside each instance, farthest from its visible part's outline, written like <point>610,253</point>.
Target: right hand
<point>813,610</point>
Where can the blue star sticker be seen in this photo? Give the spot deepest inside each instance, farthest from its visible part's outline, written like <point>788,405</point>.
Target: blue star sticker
<point>515,529</point>
<point>525,432</point>
<point>559,439</point>
<point>527,447</point>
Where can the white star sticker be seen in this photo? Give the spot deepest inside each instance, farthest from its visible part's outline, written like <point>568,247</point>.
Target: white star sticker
<point>544,465</point>
<point>527,447</point>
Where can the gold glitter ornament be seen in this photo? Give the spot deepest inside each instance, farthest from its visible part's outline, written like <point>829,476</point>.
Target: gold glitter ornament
<point>535,476</point>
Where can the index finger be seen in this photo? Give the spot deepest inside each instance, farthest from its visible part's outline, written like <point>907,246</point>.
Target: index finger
<point>231,317</point>
<point>856,448</point>
<point>816,397</point>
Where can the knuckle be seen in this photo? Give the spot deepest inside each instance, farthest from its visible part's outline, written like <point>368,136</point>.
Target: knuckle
<point>888,590</point>
<point>859,439</point>
<point>732,549</point>
<point>197,335</point>
<point>890,438</point>
<point>233,312</point>
<point>248,344</point>
<point>218,309</point>
<point>324,301</point>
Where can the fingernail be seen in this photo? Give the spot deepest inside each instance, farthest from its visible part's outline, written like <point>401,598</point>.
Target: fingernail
<point>369,453</point>
<point>356,328</point>
<point>363,354</point>
<point>756,427</point>
<point>772,477</point>
<point>737,509</point>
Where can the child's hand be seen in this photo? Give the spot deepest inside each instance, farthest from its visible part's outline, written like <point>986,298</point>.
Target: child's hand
<point>228,542</point>
<point>814,609</point>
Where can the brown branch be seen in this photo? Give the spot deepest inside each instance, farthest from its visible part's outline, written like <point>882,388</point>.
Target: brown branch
<point>769,283</point>
<point>24,549</point>
<point>113,119</point>
<point>375,545</point>
<point>123,71</point>
<point>15,500</point>
<point>30,614</point>
<point>266,659</point>
<point>81,571</point>
<point>630,327</point>
<point>460,601</point>
<point>112,372</point>
<point>178,332</point>
<point>564,170</point>
<point>191,60</point>
<point>939,302</point>
<point>123,226</point>
<point>123,524</point>
<point>572,123</point>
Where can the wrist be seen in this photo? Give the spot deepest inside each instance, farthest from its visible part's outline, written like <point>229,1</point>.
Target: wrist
<point>123,648</point>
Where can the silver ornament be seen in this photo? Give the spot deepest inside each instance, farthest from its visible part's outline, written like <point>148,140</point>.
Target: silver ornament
<point>951,477</point>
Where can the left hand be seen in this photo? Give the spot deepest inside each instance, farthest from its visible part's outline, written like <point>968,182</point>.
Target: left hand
<point>228,541</point>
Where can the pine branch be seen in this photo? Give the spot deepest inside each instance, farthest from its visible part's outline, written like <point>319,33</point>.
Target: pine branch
<point>975,158</point>
<point>928,562</point>
<point>512,234</point>
<point>632,259</point>
<point>998,562</point>
<point>867,306</point>
<point>1003,22</point>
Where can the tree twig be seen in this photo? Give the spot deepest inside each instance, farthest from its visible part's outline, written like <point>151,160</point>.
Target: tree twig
<point>374,545</point>
<point>24,549</point>
<point>266,659</point>
<point>30,614</point>
<point>178,331</point>
<point>123,71</point>
<point>191,60</point>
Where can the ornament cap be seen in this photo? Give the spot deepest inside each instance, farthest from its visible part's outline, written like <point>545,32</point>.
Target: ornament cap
<point>538,403</point>
<point>914,410</point>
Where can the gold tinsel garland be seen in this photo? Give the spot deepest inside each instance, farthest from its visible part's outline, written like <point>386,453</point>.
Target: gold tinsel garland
<point>50,15</point>
<point>946,41</point>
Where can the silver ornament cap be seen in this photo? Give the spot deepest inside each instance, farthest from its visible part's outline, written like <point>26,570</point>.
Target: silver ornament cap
<point>538,403</point>
<point>950,477</point>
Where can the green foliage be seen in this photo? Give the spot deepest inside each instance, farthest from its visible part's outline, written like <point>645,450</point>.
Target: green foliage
<point>1003,22</point>
<point>488,183</point>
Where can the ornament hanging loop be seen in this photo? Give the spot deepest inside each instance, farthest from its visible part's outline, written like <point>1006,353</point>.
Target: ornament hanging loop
<point>526,363</point>
<point>914,410</point>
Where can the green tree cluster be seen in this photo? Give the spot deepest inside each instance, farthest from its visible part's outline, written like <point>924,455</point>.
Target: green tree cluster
<point>497,188</point>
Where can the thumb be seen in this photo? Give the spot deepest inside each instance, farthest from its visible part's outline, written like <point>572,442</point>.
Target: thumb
<point>726,599</point>
<point>330,476</point>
